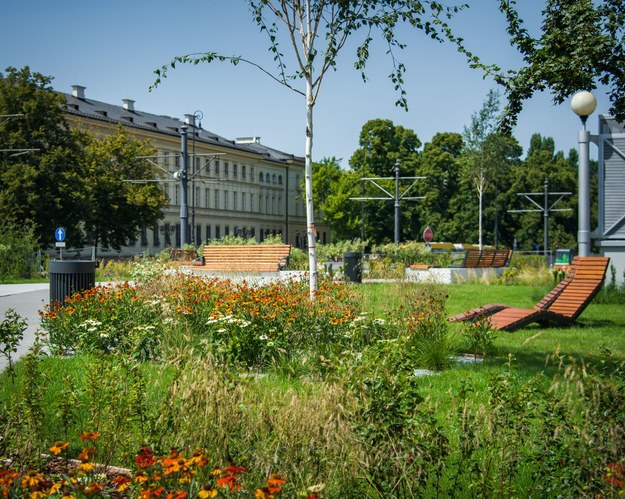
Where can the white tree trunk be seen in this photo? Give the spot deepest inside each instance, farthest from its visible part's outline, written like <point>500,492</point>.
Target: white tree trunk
<point>310,214</point>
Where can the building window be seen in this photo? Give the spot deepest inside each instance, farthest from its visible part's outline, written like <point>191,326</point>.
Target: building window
<point>234,200</point>
<point>197,198</point>
<point>144,236</point>
<point>243,196</point>
<point>243,172</point>
<point>177,235</point>
<point>227,230</point>
<point>155,236</point>
<point>217,168</point>
<point>280,179</point>
<point>235,171</point>
<point>167,235</point>
<point>216,199</point>
<point>198,234</point>
<point>273,179</point>
<point>176,189</point>
<point>261,177</point>
<point>206,198</point>
<point>208,232</point>
<point>217,231</point>
<point>226,169</point>
<point>226,200</point>
<point>267,206</point>
<point>252,174</point>
<point>260,203</point>
<point>251,201</point>
<point>280,210</point>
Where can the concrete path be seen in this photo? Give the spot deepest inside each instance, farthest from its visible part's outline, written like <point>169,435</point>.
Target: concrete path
<point>27,300</point>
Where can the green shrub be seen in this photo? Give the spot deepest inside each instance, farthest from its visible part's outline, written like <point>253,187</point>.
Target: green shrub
<point>17,253</point>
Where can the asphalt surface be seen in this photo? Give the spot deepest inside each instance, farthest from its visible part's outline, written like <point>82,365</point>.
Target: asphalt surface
<point>27,300</point>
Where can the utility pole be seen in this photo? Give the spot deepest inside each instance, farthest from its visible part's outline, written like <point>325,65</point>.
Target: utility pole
<point>545,210</point>
<point>396,197</point>
<point>397,212</point>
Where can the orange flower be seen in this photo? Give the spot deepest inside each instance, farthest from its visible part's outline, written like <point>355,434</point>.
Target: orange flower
<point>276,479</point>
<point>152,491</point>
<point>58,447</point>
<point>86,454</point>
<point>229,481</point>
<point>177,494</point>
<point>90,435</point>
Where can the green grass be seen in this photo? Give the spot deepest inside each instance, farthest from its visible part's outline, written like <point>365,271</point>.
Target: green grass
<point>599,328</point>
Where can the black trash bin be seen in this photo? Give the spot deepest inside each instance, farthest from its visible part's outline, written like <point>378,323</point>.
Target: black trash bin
<point>353,266</point>
<point>68,277</point>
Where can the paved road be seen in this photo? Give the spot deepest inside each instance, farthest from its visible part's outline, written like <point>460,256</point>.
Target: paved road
<point>26,300</point>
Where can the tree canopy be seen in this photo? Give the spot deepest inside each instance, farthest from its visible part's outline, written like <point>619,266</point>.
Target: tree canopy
<point>581,45</point>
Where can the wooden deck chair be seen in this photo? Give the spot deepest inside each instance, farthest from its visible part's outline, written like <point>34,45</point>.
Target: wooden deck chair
<point>563,304</point>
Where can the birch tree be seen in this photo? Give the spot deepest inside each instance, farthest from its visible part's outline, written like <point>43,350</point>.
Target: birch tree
<point>317,31</point>
<point>476,169</point>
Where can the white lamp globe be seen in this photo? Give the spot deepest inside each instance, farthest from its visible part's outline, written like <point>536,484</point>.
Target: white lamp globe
<point>583,104</point>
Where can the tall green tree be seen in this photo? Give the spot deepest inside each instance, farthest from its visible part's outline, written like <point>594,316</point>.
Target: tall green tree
<point>317,31</point>
<point>121,196</point>
<point>440,164</point>
<point>43,187</point>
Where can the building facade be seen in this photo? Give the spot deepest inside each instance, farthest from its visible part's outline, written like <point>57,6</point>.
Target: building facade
<point>610,233</point>
<point>235,187</point>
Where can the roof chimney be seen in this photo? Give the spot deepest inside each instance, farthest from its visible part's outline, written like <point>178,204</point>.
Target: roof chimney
<point>189,119</point>
<point>78,91</point>
<point>247,140</point>
<point>129,104</point>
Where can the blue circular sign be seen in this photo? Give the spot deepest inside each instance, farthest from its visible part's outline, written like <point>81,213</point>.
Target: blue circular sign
<point>59,234</point>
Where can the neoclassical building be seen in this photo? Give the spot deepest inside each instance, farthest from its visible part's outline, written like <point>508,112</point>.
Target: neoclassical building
<point>235,187</point>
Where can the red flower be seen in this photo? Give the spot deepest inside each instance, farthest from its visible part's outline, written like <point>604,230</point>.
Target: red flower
<point>145,458</point>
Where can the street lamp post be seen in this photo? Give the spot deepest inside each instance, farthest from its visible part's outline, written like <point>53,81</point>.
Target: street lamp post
<point>583,104</point>
<point>184,207</point>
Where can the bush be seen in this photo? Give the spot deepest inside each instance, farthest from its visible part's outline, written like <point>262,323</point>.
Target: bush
<point>17,253</point>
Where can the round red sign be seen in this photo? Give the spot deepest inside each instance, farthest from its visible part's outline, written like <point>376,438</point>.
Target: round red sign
<point>428,234</point>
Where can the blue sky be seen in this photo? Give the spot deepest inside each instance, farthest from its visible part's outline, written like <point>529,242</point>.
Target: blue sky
<point>112,47</point>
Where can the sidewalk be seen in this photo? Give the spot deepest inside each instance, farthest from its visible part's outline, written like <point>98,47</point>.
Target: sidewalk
<point>27,300</point>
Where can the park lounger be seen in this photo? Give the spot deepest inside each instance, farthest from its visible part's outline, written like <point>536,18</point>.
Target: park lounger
<point>563,305</point>
<point>245,258</point>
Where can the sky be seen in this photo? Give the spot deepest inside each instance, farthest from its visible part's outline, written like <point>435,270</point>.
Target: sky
<point>112,48</point>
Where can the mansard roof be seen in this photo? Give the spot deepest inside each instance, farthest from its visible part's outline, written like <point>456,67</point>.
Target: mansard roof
<point>127,115</point>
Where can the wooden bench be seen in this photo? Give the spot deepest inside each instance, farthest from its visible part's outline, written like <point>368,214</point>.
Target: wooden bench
<point>246,257</point>
<point>486,258</point>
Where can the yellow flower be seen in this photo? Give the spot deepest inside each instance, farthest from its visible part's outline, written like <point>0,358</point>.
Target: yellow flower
<point>207,493</point>
<point>31,479</point>
<point>86,467</point>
